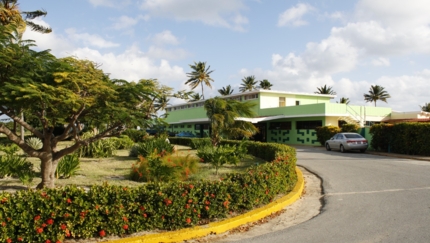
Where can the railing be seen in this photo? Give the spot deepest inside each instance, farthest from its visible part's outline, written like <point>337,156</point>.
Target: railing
<point>354,115</point>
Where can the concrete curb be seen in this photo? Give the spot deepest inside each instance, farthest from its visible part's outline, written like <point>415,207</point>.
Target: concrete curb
<point>400,156</point>
<point>225,225</point>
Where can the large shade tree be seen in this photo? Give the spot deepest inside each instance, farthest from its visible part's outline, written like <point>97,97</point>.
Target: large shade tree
<point>376,93</point>
<point>224,117</point>
<point>63,92</point>
<point>226,90</point>
<point>325,90</point>
<point>425,107</point>
<point>200,75</point>
<point>265,84</point>
<point>248,84</point>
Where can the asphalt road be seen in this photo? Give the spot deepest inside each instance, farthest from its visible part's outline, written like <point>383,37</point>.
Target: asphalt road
<point>367,198</point>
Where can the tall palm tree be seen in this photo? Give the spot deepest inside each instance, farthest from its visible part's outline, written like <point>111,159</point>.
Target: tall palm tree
<point>195,97</point>
<point>226,90</point>
<point>376,92</point>
<point>10,14</point>
<point>248,84</point>
<point>199,75</point>
<point>222,115</point>
<point>325,90</point>
<point>265,84</point>
<point>343,100</point>
<point>425,107</point>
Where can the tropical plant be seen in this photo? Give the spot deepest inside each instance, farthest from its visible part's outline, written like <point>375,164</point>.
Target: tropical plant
<point>146,148</point>
<point>343,100</point>
<point>376,93</point>
<point>325,90</point>
<point>248,84</point>
<point>103,148</point>
<point>136,135</point>
<point>122,142</point>
<point>195,97</point>
<point>325,133</point>
<point>226,90</point>
<point>199,75</point>
<point>425,107</point>
<point>34,142</point>
<point>265,84</point>
<point>223,116</point>
<point>15,165</point>
<point>218,156</point>
<point>68,166</point>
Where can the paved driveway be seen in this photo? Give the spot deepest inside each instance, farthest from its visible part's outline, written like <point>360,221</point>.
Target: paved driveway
<point>368,198</point>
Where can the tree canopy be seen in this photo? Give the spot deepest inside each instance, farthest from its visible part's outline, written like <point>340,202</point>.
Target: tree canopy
<point>425,107</point>
<point>248,84</point>
<point>226,90</point>
<point>265,84</point>
<point>325,90</point>
<point>376,93</point>
<point>200,75</point>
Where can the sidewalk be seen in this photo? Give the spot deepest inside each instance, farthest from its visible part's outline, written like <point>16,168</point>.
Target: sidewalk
<point>403,156</point>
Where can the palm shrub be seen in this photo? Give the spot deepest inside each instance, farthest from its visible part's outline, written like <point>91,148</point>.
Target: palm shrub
<point>68,166</point>
<point>325,133</point>
<point>34,142</point>
<point>123,142</point>
<point>218,156</point>
<point>15,166</point>
<point>136,135</point>
<point>200,142</point>
<point>103,148</point>
<point>146,148</point>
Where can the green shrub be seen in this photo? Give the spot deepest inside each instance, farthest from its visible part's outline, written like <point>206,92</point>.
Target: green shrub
<point>146,148</point>
<point>103,148</point>
<point>381,136</point>
<point>71,212</point>
<point>16,166</point>
<point>123,142</point>
<point>348,127</point>
<point>136,135</point>
<point>68,166</point>
<point>326,132</point>
<point>34,142</point>
<point>218,156</point>
<point>200,142</point>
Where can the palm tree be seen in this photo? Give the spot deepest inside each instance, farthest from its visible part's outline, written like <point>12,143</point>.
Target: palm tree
<point>226,90</point>
<point>200,75</point>
<point>343,100</point>
<point>195,97</point>
<point>223,116</point>
<point>425,107</point>
<point>248,84</point>
<point>376,92</point>
<point>265,84</point>
<point>325,90</point>
<point>10,14</point>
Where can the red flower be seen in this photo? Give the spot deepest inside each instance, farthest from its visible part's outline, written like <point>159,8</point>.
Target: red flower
<point>162,217</point>
<point>4,200</point>
<point>212,196</point>
<point>187,206</point>
<point>66,215</point>
<point>63,227</point>
<point>190,200</point>
<point>50,221</point>
<point>9,240</point>
<point>39,230</point>
<point>58,241</point>
<point>191,186</point>
<point>3,224</point>
<point>144,215</point>
<point>125,227</point>
<point>43,225</point>
<point>206,207</point>
<point>142,208</point>
<point>20,239</point>
<point>125,219</point>
<point>225,203</point>
<point>102,233</point>
<point>37,218</point>
<point>48,241</point>
<point>82,214</point>
<point>202,160</point>
<point>97,207</point>
<point>69,200</point>
<point>207,202</point>
<point>188,220</point>
<point>198,215</point>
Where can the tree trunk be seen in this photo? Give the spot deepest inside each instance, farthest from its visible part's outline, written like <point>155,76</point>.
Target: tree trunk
<point>48,168</point>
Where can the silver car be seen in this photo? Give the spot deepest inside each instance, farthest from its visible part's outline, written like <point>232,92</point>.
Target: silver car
<point>347,141</point>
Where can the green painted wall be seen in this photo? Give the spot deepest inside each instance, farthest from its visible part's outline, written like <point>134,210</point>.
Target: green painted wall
<point>294,110</point>
<point>186,114</point>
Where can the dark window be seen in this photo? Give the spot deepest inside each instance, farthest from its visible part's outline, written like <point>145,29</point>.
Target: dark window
<point>197,127</point>
<point>353,136</point>
<point>182,126</point>
<point>188,126</point>
<point>206,126</point>
<point>308,124</point>
<point>176,126</point>
<point>297,102</point>
<point>280,126</point>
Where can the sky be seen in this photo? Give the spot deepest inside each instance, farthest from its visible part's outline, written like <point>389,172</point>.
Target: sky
<point>296,45</point>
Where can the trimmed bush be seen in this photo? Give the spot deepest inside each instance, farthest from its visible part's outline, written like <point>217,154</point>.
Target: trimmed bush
<point>326,132</point>
<point>71,212</point>
<point>349,127</point>
<point>137,136</point>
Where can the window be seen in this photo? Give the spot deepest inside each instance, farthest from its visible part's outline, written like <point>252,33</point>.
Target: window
<point>197,127</point>
<point>188,126</point>
<point>280,126</point>
<point>251,96</point>
<point>308,124</point>
<point>176,126</point>
<point>281,101</point>
<point>297,102</point>
<point>182,126</point>
<point>206,126</point>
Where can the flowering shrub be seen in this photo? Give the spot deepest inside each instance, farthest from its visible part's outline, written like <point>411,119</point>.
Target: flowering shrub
<point>53,215</point>
<point>159,167</point>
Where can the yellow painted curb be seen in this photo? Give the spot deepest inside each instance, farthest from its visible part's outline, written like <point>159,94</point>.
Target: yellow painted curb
<point>225,225</point>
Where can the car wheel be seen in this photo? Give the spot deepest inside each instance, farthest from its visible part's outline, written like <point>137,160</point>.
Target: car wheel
<point>327,147</point>
<point>342,149</point>
<point>362,150</point>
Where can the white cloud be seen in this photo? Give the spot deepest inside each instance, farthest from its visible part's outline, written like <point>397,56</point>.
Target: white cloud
<point>89,39</point>
<point>125,22</point>
<point>223,13</point>
<point>110,3</point>
<point>168,54</point>
<point>165,38</point>
<point>381,61</point>
<point>293,16</point>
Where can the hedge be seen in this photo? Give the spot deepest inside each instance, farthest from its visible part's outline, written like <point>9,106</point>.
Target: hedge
<point>411,138</point>
<point>52,215</point>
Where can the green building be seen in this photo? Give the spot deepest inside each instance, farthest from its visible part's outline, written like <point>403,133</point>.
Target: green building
<point>282,117</point>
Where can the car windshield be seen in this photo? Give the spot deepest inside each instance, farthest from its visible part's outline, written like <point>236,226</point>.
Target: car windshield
<point>353,136</point>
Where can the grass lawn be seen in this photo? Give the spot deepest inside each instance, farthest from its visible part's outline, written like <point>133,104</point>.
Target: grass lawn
<point>114,170</point>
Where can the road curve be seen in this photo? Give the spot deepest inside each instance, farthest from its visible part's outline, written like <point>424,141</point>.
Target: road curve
<point>367,198</point>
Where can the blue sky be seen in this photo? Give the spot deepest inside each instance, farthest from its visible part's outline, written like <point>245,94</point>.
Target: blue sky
<point>297,45</point>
